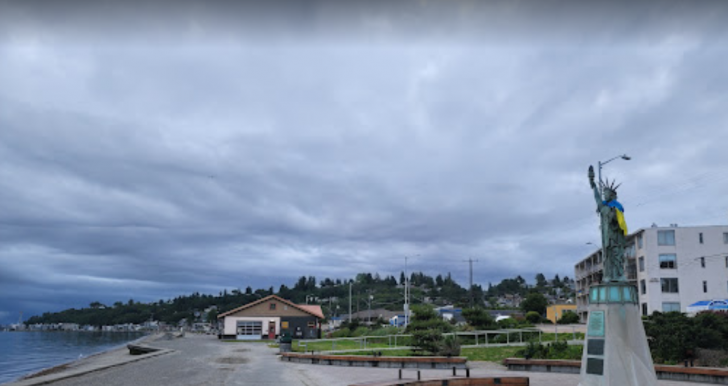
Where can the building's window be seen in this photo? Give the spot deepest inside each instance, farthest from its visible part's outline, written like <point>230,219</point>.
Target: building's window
<point>700,237</point>
<point>272,306</point>
<point>670,306</point>
<point>705,286</point>
<point>725,238</point>
<point>641,262</point>
<point>639,241</point>
<point>669,284</point>
<point>643,287</point>
<point>311,324</point>
<point>284,325</point>
<point>668,261</point>
<point>644,309</point>
<point>666,237</point>
<point>702,262</point>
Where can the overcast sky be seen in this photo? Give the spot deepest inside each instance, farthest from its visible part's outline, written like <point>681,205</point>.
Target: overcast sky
<point>149,152</point>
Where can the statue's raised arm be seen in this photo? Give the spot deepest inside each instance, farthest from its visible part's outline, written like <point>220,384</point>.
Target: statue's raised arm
<point>597,194</point>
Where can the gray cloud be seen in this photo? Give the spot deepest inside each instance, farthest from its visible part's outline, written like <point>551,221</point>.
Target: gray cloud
<point>185,154</point>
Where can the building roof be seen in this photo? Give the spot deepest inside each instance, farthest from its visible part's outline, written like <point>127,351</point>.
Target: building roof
<point>309,309</point>
<point>312,309</point>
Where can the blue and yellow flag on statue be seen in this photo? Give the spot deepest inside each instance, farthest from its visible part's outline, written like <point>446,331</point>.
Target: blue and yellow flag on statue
<point>619,210</point>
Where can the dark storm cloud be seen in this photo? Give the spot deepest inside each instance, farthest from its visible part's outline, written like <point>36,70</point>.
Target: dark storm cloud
<point>239,144</point>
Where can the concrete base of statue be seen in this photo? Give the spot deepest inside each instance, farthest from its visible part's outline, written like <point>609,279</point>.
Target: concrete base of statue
<point>616,350</point>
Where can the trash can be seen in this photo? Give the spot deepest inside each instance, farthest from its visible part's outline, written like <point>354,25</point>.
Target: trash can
<point>285,343</point>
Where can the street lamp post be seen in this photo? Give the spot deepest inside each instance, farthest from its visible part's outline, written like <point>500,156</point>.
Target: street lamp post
<point>601,184</point>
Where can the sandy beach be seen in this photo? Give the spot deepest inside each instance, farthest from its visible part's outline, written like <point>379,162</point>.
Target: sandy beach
<point>205,360</point>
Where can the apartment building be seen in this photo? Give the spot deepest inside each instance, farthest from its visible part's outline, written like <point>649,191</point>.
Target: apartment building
<point>672,267</point>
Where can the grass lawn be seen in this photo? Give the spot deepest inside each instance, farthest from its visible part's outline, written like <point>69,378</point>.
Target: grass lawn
<point>340,345</point>
<point>486,354</point>
<point>489,354</point>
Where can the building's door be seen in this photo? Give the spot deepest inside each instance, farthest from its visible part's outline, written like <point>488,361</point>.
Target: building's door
<point>271,330</point>
<point>249,330</point>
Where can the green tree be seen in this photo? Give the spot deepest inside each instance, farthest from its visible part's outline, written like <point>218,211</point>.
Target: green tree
<point>212,316</point>
<point>479,318</point>
<point>427,328</point>
<point>556,281</point>
<point>534,302</point>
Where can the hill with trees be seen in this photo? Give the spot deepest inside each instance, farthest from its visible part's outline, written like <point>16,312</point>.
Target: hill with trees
<point>368,290</point>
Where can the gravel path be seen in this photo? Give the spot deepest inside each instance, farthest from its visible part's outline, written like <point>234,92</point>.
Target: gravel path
<point>204,360</point>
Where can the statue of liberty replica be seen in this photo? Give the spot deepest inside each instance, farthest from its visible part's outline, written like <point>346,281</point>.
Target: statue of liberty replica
<point>616,350</point>
<point>614,230</point>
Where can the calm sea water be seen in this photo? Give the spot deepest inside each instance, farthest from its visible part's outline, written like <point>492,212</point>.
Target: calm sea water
<point>22,353</point>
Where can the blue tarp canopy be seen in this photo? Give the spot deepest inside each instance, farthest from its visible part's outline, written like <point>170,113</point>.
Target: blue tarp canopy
<point>708,305</point>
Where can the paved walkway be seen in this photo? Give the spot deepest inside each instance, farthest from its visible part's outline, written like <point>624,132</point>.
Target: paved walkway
<point>204,360</point>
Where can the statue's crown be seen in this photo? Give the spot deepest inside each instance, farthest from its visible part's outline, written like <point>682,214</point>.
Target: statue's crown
<point>611,186</point>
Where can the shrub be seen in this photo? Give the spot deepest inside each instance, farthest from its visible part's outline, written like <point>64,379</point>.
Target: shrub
<point>360,331</point>
<point>507,323</point>
<point>450,346</point>
<point>533,317</point>
<point>670,336</point>
<point>479,319</point>
<point>341,333</point>
<point>569,318</point>
<point>556,350</point>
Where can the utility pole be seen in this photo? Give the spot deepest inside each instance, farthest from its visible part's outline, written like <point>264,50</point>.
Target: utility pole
<point>349,302</point>
<point>471,280</point>
<point>406,294</point>
<point>371,297</point>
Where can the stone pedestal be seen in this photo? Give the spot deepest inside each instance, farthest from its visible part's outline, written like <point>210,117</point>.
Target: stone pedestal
<point>616,351</point>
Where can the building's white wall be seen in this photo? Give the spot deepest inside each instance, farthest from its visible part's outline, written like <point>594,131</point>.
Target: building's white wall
<point>689,272</point>
<point>231,324</point>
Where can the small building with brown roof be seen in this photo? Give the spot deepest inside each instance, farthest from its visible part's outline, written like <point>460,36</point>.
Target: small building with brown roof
<point>269,318</point>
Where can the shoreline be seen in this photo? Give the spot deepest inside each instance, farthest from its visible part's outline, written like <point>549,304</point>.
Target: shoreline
<point>76,363</point>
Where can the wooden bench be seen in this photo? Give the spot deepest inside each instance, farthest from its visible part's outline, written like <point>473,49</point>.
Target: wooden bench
<point>672,373</point>
<point>511,381</point>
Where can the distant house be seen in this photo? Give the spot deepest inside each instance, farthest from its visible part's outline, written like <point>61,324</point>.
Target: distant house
<point>451,313</point>
<point>397,320</point>
<point>373,315</point>
<point>270,317</point>
<point>335,322</point>
<point>554,312</point>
